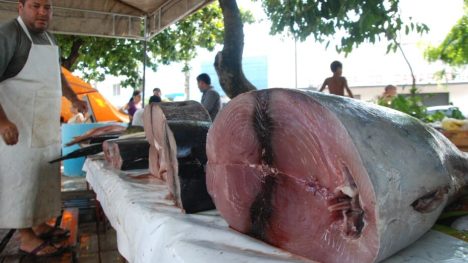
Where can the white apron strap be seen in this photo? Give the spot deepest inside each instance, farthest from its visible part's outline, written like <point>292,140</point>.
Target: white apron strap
<point>25,29</point>
<point>50,39</point>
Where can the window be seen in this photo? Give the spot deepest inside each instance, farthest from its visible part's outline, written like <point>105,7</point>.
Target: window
<point>116,89</point>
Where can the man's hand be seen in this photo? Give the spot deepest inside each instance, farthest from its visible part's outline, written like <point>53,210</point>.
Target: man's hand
<point>82,106</point>
<point>9,132</point>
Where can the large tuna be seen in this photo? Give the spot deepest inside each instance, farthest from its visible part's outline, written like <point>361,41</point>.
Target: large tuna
<point>329,178</point>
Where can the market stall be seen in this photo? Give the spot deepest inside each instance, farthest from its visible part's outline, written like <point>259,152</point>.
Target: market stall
<point>151,229</point>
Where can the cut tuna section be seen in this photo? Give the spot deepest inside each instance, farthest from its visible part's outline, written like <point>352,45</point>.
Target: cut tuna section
<point>327,177</point>
<point>127,154</point>
<point>177,135</point>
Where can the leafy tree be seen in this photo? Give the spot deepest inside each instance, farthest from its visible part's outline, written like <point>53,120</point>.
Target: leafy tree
<point>228,62</point>
<point>353,22</point>
<point>97,57</point>
<point>411,105</point>
<point>454,48</point>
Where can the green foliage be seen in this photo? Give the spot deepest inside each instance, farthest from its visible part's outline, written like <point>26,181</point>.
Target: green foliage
<point>457,114</point>
<point>354,21</point>
<point>413,105</point>
<point>438,116</point>
<point>97,57</point>
<point>100,56</point>
<point>454,48</point>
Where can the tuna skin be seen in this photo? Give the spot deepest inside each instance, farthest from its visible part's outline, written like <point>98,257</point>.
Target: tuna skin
<point>329,178</point>
<point>127,154</point>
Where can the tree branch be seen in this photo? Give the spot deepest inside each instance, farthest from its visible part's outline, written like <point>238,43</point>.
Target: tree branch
<point>74,54</point>
<point>408,63</point>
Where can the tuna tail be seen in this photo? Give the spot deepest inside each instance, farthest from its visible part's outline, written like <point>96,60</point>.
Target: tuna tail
<point>90,150</point>
<point>457,166</point>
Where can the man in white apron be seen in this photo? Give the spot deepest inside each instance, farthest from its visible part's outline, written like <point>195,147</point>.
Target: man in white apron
<point>30,102</point>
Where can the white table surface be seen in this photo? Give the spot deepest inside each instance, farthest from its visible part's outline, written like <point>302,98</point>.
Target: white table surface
<point>151,229</point>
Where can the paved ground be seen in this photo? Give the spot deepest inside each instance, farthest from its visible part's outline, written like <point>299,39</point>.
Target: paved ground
<point>91,245</point>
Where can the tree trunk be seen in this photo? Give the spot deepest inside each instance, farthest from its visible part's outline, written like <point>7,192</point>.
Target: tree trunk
<point>186,71</point>
<point>228,62</point>
<point>74,54</point>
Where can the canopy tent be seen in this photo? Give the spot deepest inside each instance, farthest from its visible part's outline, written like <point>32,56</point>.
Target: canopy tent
<point>137,19</point>
<point>102,109</point>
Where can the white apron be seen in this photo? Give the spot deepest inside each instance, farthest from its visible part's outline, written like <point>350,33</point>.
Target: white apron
<point>29,185</point>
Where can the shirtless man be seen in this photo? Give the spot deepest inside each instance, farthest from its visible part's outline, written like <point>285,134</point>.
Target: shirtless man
<point>336,84</point>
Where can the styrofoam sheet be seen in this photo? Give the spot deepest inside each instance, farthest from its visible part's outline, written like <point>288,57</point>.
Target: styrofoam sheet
<point>150,229</point>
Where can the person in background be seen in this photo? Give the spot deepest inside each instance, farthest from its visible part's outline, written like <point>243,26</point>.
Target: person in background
<point>389,94</point>
<point>156,96</point>
<point>133,104</point>
<point>336,84</point>
<point>78,117</point>
<point>30,132</point>
<point>210,98</point>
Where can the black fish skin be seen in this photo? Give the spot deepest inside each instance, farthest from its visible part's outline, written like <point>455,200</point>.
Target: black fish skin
<point>134,153</point>
<point>193,190</point>
<point>89,150</point>
<point>132,148</point>
<point>190,137</point>
<point>189,122</point>
<point>135,164</point>
<point>103,138</point>
<point>261,209</point>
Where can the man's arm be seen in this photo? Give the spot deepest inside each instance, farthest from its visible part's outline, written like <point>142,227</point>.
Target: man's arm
<point>323,85</point>
<point>8,44</point>
<point>211,98</point>
<point>8,40</point>
<point>8,130</point>
<point>347,88</point>
<point>69,94</point>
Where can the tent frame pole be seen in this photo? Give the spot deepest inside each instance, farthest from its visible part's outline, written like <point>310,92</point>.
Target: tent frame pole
<point>145,50</point>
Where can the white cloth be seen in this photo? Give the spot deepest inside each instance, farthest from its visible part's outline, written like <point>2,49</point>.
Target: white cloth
<point>150,229</point>
<point>29,185</point>
<point>138,118</point>
<point>78,118</point>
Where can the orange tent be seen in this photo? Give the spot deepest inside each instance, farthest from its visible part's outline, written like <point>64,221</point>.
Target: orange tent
<point>102,109</point>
